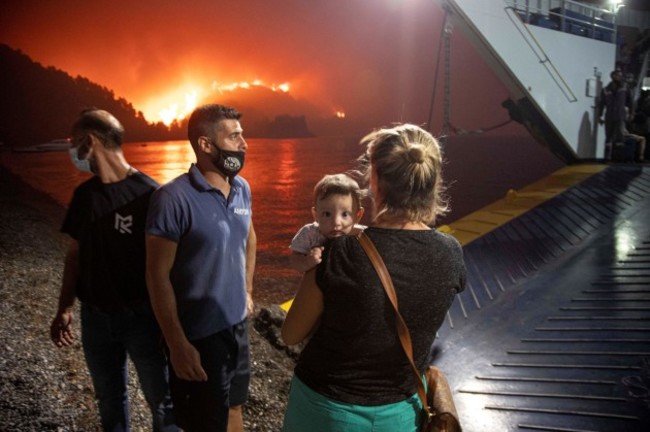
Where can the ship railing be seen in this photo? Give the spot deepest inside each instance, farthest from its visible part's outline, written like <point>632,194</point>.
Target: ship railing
<point>643,81</point>
<point>539,51</point>
<point>568,16</point>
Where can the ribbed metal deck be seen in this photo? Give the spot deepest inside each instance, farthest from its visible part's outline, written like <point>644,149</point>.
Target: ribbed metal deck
<point>553,330</point>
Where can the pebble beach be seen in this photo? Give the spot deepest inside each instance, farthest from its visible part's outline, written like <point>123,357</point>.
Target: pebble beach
<point>43,388</point>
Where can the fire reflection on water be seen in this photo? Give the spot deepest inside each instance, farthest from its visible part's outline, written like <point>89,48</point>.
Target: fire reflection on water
<point>281,174</point>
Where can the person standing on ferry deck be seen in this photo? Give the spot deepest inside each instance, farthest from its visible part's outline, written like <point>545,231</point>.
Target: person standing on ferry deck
<point>617,103</point>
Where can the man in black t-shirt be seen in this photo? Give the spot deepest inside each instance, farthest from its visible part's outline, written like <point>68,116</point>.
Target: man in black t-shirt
<point>105,269</point>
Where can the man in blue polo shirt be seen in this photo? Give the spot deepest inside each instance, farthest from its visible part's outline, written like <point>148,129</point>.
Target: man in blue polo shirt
<point>200,263</point>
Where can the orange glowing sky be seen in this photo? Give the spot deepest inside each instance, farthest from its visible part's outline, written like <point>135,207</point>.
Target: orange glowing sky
<point>367,60</point>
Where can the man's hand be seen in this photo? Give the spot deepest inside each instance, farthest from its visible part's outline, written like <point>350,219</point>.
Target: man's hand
<point>61,329</point>
<point>250,304</point>
<point>186,362</point>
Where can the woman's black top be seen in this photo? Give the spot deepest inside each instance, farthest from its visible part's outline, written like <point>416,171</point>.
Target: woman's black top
<point>355,355</point>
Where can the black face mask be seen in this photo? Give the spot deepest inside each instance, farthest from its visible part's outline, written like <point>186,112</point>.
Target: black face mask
<point>228,162</point>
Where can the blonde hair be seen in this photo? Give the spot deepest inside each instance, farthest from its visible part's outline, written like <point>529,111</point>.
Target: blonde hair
<point>338,184</point>
<point>407,161</point>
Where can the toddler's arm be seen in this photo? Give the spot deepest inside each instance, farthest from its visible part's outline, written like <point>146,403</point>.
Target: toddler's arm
<point>302,262</point>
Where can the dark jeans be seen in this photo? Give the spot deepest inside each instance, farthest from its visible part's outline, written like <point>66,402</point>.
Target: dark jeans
<point>615,131</point>
<point>203,406</point>
<point>107,338</point>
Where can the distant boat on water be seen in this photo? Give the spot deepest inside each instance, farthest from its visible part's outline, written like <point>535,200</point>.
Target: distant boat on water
<point>54,145</point>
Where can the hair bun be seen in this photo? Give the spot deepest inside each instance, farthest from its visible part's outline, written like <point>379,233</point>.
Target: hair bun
<point>416,153</point>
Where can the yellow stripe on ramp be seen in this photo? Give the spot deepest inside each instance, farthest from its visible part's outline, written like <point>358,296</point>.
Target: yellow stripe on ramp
<point>517,202</point>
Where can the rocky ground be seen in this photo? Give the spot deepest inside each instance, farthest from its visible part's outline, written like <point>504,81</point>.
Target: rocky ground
<point>43,388</point>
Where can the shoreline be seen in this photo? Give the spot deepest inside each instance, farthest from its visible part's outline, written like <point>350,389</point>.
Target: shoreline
<point>43,388</point>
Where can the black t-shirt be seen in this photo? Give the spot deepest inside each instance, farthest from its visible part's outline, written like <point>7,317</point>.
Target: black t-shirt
<point>355,355</point>
<point>108,222</point>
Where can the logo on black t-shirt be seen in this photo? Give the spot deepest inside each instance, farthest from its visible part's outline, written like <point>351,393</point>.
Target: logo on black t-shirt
<point>123,223</point>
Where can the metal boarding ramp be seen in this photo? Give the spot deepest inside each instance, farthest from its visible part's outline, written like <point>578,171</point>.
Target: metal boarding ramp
<point>553,330</point>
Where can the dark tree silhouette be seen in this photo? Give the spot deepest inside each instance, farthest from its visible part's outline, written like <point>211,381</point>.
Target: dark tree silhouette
<point>40,103</point>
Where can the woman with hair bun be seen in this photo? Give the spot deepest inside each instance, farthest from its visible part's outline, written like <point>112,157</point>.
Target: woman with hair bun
<point>352,375</point>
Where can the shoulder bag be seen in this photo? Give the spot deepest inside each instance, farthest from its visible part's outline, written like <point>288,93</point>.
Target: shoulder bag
<point>439,410</point>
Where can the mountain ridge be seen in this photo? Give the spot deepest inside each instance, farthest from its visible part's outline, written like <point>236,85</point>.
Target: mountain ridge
<point>40,103</point>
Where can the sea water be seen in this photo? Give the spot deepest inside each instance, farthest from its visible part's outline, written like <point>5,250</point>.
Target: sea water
<point>282,172</point>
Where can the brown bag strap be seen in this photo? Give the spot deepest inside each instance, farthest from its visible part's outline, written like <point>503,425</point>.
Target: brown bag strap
<point>402,330</point>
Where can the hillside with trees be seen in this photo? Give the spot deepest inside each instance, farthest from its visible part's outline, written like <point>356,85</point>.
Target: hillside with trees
<point>39,104</point>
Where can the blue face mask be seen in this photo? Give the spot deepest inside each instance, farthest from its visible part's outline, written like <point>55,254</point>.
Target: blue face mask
<point>82,165</point>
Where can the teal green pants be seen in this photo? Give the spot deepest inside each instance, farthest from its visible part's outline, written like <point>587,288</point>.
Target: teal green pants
<point>308,411</point>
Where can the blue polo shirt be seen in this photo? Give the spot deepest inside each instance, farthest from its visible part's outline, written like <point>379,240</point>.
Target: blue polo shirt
<point>209,271</point>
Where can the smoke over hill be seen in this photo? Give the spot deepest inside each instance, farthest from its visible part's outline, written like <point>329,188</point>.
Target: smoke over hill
<point>40,103</point>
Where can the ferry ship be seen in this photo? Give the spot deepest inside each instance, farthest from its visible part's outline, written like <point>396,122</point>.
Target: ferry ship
<point>553,330</point>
